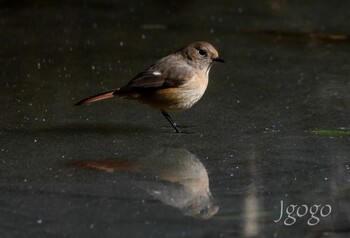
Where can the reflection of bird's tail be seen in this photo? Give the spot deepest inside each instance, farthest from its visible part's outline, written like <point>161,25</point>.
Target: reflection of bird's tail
<point>98,97</point>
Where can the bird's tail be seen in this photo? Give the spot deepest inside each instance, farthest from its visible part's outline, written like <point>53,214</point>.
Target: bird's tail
<point>98,97</point>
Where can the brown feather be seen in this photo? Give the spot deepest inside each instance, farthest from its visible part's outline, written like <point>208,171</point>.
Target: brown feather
<point>98,97</point>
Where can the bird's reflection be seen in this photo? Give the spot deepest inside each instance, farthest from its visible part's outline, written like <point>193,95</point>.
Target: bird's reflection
<point>175,177</point>
<point>183,182</point>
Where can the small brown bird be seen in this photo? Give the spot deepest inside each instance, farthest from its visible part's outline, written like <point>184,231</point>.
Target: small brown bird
<point>173,83</point>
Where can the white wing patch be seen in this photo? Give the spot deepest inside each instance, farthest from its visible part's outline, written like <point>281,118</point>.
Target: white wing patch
<point>156,73</point>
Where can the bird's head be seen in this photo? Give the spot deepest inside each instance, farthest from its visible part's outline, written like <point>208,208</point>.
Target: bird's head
<point>201,54</point>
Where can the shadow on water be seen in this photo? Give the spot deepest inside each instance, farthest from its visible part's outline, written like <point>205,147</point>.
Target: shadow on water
<point>103,129</point>
<point>175,177</point>
<point>96,128</point>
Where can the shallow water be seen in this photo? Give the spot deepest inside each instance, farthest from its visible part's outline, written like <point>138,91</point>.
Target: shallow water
<point>272,126</point>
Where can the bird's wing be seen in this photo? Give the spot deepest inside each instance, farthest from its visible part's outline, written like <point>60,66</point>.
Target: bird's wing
<point>153,79</point>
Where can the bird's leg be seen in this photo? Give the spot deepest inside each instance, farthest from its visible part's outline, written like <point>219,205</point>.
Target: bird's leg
<point>166,115</point>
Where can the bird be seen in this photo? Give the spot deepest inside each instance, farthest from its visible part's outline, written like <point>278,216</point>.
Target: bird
<point>173,83</point>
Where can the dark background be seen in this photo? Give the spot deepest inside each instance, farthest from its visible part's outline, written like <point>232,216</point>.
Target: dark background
<point>273,124</point>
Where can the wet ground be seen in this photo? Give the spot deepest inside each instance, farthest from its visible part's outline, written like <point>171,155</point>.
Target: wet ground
<point>271,130</point>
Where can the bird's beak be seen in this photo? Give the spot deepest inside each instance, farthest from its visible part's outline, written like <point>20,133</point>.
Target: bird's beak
<point>217,59</point>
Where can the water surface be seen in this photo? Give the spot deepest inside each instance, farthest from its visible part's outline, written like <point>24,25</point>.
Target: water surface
<point>273,125</point>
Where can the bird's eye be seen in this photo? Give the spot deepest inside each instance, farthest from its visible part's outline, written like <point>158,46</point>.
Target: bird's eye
<point>202,52</point>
